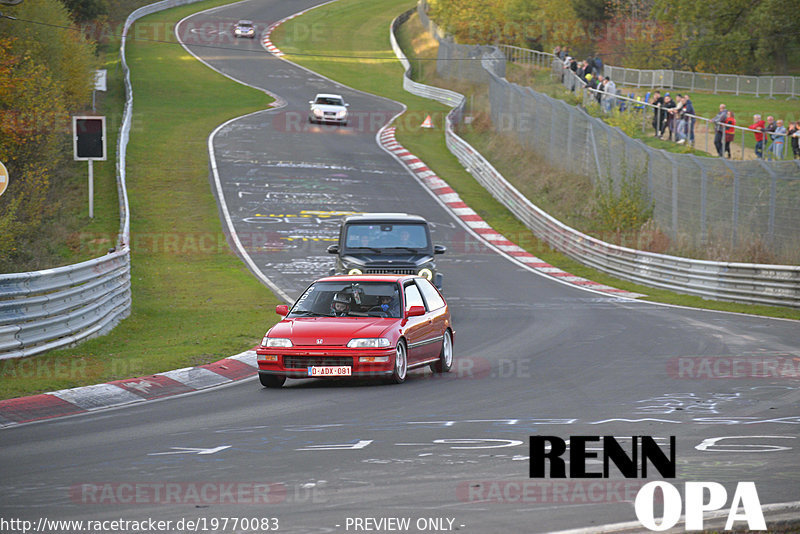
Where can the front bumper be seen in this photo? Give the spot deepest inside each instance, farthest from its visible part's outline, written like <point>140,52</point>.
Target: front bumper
<point>328,119</point>
<point>294,363</point>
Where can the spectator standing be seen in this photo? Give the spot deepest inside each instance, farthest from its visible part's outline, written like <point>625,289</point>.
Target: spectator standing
<point>669,114</point>
<point>730,132</point>
<point>658,102</point>
<point>681,131</point>
<point>758,127</point>
<point>600,88</point>
<point>769,129</point>
<point>611,93</point>
<point>778,140</point>
<point>688,109</point>
<point>587,68</point>
<point>719,128</point>
<point>794,134</point>
<point>598,65</point>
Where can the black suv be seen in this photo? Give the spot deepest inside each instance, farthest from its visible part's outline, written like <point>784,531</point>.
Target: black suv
<point>386,243</point>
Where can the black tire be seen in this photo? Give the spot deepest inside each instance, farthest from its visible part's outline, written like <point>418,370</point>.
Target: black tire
<point>271,381</point>
<point>400,363</point>
<point>445,362</point>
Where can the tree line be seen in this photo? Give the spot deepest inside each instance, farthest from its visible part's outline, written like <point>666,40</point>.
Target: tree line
<point>716,36</point>
<point>46,76</point>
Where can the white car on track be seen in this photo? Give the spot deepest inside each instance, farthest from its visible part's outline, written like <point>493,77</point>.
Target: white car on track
<point>328,108</point>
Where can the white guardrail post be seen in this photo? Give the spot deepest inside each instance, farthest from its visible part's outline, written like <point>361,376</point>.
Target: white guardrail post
<point>777,285</point>
<point>54,308</point>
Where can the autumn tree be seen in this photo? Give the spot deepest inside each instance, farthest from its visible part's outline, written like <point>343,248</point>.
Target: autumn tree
<point>46,74</point>
<point>732,36</point>
<point>539,24</point>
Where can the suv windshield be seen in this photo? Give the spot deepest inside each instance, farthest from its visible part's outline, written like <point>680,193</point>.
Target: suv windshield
<point>386,236</point>
<point>349,299</point>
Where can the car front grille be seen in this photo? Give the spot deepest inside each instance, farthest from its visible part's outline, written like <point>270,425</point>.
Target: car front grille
<point>389,270</point>
<point>301,362</point>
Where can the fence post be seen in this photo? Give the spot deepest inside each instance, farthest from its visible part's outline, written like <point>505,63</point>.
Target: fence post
<point>743,132</point>
<point>735,225</point>
<point>703,199</point>
<point>674,197</point>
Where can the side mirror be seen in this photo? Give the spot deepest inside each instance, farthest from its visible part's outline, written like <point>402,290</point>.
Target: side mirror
<point>439,249</point>
<point>282,310</point>
<point>310,101</point>
<point>416,311</point>
<point>347,105</point>
<point>333,249</point>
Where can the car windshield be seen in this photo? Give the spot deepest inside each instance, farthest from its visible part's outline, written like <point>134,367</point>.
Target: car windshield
<point>386,237</point>
<point>329,101</point>
<point>246,24</point>
<point>349,299</point>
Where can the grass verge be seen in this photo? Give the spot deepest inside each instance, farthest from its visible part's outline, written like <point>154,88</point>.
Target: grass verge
<point>194,301</point>
<point>350,28</point>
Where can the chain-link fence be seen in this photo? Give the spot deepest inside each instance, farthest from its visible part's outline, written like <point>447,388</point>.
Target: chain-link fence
<point>697,200</point>
<point>767,86</point>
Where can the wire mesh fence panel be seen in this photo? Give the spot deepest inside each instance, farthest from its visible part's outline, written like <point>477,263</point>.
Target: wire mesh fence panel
<point>683,80</point>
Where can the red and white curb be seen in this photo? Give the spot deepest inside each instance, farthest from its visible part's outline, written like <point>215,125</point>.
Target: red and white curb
<point>267,43</point>
<point>128,391</point>
<point>474,221</point>
<point>265,38</point>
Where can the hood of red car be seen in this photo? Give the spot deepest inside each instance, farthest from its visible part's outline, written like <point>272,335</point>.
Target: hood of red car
<point>308,331</point>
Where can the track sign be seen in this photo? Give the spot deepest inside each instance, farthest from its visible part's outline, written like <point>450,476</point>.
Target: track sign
<point>3,178</point>
<point>89,138</point>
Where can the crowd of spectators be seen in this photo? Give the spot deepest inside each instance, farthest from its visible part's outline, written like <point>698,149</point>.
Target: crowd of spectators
<point>774,135</point>
<point>676,117</point>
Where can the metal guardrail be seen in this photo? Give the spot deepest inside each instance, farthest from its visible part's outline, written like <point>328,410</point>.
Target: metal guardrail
<point>55,308</point>
<point>742,282</point>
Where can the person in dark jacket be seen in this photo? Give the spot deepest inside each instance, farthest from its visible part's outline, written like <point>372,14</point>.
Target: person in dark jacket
<point>658,113</point>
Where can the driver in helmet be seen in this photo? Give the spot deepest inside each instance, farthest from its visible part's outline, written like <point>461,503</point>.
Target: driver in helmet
<point>390,304</point>
<point>340,305</point>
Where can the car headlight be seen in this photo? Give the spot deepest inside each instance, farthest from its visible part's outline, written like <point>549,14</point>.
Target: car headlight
<point>341,114</point>
<point>425,273</point>
<point>368,343</point>
<point>354,271</point>
<point>276,342</point>
<point>317,112</point>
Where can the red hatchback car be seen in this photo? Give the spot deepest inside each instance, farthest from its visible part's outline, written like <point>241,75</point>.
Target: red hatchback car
<point>359,326</point>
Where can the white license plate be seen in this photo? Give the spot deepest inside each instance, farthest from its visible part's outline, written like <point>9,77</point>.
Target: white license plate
<point>339,370</point>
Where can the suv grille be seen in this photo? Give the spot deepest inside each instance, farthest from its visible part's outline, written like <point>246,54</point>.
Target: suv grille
<point>389,270</point>
<point>301,362</point>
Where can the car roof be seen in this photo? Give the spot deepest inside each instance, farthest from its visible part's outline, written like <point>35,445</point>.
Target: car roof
<point>244,21</point>
<point>384,217</point>
<point>368,278</point>
<point>327,95</point>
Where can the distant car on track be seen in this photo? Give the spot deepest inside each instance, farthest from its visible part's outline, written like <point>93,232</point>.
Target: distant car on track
<point>377,326</point>
<point>244,28</point>
<point>328,108</point>
<point>386,243</point>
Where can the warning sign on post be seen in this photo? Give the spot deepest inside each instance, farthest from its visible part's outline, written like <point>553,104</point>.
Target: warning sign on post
<point>3,178</point>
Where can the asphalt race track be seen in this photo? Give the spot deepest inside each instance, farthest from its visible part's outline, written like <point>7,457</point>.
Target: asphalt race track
<point>534,356</point>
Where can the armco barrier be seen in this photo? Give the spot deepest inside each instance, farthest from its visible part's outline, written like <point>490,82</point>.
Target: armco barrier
<point>742,282</point>
<point>54,308</point>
